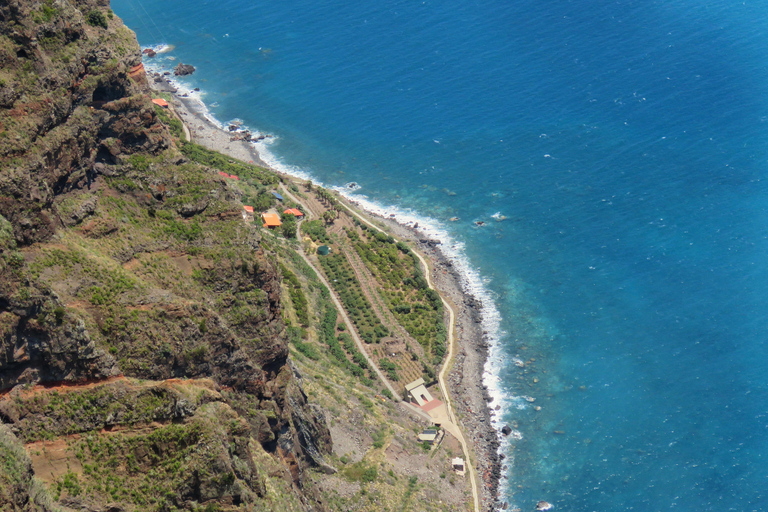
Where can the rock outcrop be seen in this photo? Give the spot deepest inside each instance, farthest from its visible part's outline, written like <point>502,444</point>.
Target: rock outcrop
<point>183,69</point>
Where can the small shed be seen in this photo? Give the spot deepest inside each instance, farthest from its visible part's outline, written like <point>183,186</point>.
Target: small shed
<point>418,392</point>
<point>160,102</point>
<point>278,196</point>
<point>271,220</point>
<point>323,250</point>
<point>458,465</point>
<point>248,209</point>
<point>234,177</point>
<point>428,435</point>
<point>222,173</point>
<point>294,211</point>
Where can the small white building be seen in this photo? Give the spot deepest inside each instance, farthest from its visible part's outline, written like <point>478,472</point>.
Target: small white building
<point>428,435</point>
<point>458,466</point>
<point>418,392</point>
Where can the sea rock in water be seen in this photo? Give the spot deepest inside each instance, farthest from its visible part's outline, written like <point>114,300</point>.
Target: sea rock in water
<point>183,69</point>
<point>544,505</point>
<point>506,430</point>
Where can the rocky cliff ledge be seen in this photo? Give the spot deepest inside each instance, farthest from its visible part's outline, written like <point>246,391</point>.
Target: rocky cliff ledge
<point>141,332</point>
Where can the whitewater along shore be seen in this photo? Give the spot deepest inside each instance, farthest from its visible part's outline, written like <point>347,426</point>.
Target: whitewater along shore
<point>470,398</point>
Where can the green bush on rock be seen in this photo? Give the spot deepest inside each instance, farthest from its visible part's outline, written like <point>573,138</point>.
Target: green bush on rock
<point>96,18</point>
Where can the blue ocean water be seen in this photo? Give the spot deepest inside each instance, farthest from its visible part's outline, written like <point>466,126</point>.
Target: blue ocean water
<point>622,148</point>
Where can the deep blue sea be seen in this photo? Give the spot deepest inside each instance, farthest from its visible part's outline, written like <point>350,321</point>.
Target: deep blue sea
<point>617,152</point>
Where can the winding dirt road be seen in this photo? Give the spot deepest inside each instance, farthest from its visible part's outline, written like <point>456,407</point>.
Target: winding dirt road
<point>441,376</point>
<point>454,424</point>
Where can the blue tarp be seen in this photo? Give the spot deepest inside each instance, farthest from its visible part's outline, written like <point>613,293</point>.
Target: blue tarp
<point>277,195</point>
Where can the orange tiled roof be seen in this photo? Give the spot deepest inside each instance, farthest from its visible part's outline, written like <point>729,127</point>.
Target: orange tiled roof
<point>294,211</point>
<point>160,101</point>
<point>271,220</point>
<point>249,209</point>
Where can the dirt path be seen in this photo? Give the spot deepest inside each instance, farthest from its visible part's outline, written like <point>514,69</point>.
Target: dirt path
<point>444,369</point>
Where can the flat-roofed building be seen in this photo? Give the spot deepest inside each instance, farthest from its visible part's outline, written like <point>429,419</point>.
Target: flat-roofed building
<point>428,435</point>
<point>418,393</point>
<point>458,466</point>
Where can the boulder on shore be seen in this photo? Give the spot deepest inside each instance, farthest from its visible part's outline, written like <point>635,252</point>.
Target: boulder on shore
<point>183,69</point>
<point>506,430</point>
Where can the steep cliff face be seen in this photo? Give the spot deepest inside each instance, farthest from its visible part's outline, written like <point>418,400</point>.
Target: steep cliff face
<point>121,258</point>
<point>58,71</point>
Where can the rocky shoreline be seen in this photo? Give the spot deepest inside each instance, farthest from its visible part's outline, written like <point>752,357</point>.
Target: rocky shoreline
<point>470,397</point>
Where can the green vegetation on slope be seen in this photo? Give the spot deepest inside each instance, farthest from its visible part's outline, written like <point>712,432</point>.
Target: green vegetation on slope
<point>417,307</point>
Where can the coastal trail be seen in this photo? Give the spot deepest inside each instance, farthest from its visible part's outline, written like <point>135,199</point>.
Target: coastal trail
<point>454,427</point>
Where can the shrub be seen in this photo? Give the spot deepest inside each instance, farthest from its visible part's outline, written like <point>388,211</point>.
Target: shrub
<point>138,162</point>
<point>369,475</point>
<point>390,368</point>
<point>96,18</point>
<point>289,226</point>
<point>379,438</point>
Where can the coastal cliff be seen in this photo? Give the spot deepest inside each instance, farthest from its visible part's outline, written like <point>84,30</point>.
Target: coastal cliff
<point>131,293</point>
<point>160,349</point>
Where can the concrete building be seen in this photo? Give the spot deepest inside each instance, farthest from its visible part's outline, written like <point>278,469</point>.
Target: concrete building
<point>418,393</point>
<point>429,435</point>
